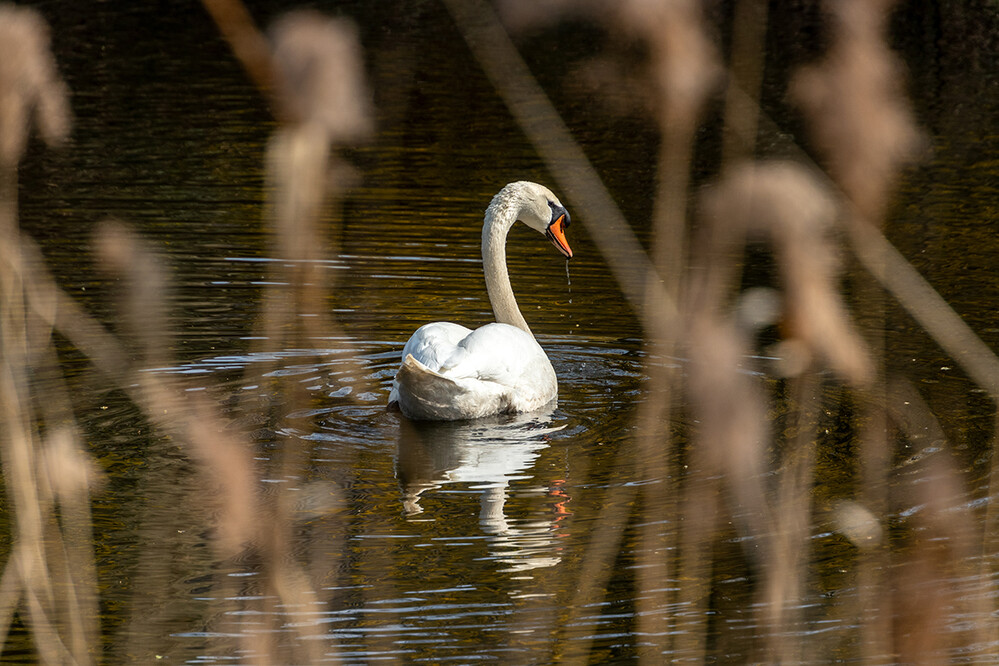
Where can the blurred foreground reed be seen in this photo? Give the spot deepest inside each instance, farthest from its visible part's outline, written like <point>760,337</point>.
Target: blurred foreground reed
<point>743,476</point>
<point>49,578</point>
<point>741,470</point>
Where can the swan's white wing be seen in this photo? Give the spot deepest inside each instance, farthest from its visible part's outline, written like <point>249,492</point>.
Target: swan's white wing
<point>433,343</point>
<point>502,354</point>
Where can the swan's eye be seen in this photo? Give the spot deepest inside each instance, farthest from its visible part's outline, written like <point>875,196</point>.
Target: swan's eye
<point>559,212</point>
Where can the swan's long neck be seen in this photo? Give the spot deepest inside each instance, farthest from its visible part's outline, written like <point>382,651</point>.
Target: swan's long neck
<point>500,216</point>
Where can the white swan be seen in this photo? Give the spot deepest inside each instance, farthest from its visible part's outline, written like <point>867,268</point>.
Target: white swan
<point>450,372</point>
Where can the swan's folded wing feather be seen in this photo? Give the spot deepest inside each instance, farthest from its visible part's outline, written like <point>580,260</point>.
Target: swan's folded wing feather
<point>496,353</point>
<point>433,343</point>
<point>426,394</point>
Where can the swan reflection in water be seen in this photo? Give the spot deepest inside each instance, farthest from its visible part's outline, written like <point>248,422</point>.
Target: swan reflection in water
<point>486,455</point>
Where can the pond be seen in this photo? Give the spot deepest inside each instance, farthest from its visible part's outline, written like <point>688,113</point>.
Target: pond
<point>530,538</point>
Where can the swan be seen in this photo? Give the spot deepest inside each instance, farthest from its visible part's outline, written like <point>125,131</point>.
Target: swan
<point>450,372</point>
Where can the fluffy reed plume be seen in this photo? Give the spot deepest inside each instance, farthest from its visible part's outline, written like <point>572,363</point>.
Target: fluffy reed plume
<point>320,75</point>
<point>683,63</point>
<point>30,87</point>
<point>854,101</point>
<point>789,207</point>
<point>319,86</point>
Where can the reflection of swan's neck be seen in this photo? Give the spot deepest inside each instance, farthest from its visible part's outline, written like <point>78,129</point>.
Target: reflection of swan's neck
<point>491,515</point>
<point>500,216</point>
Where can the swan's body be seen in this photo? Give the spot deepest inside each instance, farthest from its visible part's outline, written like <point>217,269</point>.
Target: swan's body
<point>450,372</point>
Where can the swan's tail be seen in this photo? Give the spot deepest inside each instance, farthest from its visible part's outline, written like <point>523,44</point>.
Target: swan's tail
<point>422,393</point>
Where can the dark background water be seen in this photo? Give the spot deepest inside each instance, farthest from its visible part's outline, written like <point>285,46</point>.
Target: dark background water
<point>170,136</point>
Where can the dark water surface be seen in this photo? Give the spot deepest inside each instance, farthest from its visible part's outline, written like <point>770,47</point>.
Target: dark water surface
<point>452,543</point>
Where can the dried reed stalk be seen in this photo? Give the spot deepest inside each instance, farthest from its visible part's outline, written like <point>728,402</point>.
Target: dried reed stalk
<point>788,206</point>
<point>784,589</point>
<point>940,551</point>
<point>745,81</point>
<point>249,45</point>
<point>50,574</point>
<point>683,70</point>
<point>314,76</point>
<point>862,124</point>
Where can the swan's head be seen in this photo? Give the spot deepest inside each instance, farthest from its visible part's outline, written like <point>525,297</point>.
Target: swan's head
<point>537,207</point>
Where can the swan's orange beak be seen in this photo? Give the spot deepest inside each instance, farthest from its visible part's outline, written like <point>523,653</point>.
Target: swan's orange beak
<point>556,234</point>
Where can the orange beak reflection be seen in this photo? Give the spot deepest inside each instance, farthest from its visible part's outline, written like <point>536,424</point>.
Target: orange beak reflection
<point>556,234</point>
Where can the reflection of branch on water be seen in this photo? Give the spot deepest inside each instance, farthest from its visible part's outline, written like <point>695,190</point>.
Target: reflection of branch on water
<point>488,455</point>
